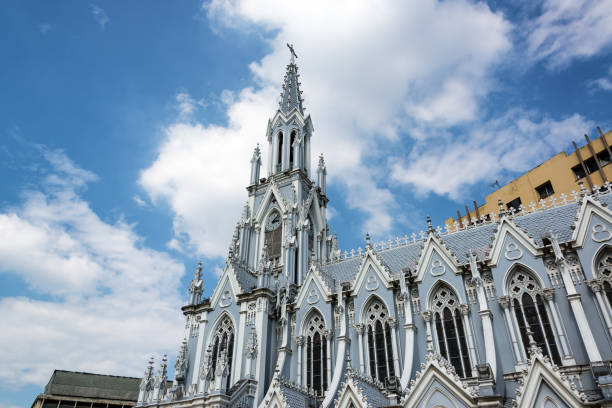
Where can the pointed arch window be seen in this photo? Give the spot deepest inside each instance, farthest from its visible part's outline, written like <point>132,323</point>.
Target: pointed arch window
<point>450,331</point>
<point>279,157</point>
<point>291,155</point>
<point>316,354</point>
<point>379,342</point>
<point>604,272</point>
<point>223,347</point>
<point>531,314</point>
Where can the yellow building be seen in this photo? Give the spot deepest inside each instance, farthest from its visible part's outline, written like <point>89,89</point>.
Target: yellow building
<point>558,175</point>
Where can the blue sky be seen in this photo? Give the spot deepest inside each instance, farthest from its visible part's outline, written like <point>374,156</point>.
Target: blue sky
<point>126,130</point>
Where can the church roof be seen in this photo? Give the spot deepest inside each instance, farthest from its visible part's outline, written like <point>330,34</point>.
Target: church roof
<point>557,218</point>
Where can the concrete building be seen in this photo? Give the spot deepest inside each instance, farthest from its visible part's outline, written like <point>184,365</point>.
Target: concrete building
<point>69,389</point>
<point>513,311</point>
<point>548,181</point>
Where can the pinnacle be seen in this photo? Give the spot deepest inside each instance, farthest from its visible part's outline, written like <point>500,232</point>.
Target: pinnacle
<point>291,96</point>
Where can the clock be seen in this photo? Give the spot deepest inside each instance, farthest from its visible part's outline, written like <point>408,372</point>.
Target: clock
<point>274,222</point>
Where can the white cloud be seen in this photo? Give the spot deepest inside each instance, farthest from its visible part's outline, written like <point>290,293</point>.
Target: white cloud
<point>514,142</point>
<point>567,30</point>
<point>106,300</point>
<point>368,72</point>
<point>138,200</point>
<point>100,16</point>
<point>187,105</point>
<point>601,84</point>
<point>44,28</point>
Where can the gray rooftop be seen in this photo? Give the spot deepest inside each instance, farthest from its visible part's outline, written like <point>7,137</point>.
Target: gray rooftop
<point>98,386</point>
<point>557,218</point>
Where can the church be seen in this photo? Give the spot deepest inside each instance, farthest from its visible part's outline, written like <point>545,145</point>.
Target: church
<point>510,310</point>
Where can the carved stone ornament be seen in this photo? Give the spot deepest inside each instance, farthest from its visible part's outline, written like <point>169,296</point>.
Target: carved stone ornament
<point>358,328</point>
<point>504,301</point>
<point>437,268</point>
<point>513,252</point>
<point>371,283</point>
<point>226,299</point>
<point>594,285</point>
<point>426,315</point>
<point>313,297</point>
<point>600,233</point>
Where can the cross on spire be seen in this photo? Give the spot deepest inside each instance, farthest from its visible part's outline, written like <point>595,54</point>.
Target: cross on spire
<point>293,54</point>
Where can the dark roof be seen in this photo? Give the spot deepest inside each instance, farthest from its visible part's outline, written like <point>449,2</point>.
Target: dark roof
<point>88,385</point>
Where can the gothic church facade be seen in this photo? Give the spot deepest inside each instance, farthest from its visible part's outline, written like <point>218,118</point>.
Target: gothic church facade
<point>514,309</point>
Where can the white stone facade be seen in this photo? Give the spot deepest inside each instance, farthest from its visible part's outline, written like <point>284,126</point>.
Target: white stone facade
<point>515,310</point>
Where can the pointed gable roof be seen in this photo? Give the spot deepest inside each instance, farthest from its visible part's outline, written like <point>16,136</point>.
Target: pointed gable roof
<point>437,368</point>
<point>540,368</point>
<point>362,390</point>
<point>433,244</point>
<point>507,227</point>
<point>583,218</point>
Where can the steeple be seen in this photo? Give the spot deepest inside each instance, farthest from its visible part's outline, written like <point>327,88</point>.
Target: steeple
<point>291,96</point>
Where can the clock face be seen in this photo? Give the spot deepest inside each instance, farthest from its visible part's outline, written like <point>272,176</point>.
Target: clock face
<point>274,221</point>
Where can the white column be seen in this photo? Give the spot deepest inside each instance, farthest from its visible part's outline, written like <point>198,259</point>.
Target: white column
<point>547,294</point>
<point>261,327</point>
<point>595,286</point>
<point>393,324</point>
<point>427,317</point>
<point>359,330</point>
<point>274,153</point>
<point>367,352</point>
<point>504,302</point>
<point>300,343</point>
<point>328,337</point>
<point>199,351</point>
<point>581,320</point>
<point>305,358</point>
<point>237,369</point>
<point>464,309</point>
<point>286,149</point>
<point>485,316</point>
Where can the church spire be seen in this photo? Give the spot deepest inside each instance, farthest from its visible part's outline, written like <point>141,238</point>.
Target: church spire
<point>291,96</point>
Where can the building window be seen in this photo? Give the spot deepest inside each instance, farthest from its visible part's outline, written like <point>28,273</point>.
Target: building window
<point>604,157</point>
<point>291,149</point>
<point>223,347</point>
<point>450,332</point>
<point>279,161</point>
<point>316,354</point>
<point>531,315</point>
<point>273,237</point>
<point>545,190</point>
<point>516,203</point>
<point>380,348</point>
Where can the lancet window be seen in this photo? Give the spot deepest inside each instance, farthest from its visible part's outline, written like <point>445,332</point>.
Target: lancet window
<point>379,342</point>
<point>223,347</point>
<point>450,330</point>
<point>279,157</point>
<point>604,272</point>
<point>291,158</point>
<point>316,354</point>
<point>532,315</point>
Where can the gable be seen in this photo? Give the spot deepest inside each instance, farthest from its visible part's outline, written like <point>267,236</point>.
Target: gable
<point>312,292</point>
<point>371,275</point>
<point>438,381</point>
<point>543,376</point>
<point>226,290</point>
<point>435,260</point>
<point>592,214</point>
<point>273,191</point>
<point>511,243</point>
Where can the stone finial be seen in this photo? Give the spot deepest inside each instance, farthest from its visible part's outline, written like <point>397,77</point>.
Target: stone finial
<point>429,227</point>
<point>368,242</point>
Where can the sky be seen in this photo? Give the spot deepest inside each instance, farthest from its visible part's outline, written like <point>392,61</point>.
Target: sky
<point>126,130</point>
